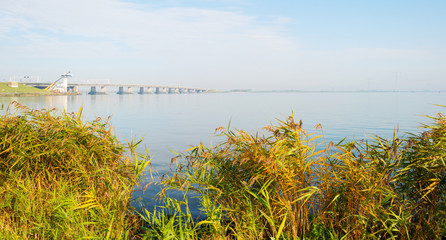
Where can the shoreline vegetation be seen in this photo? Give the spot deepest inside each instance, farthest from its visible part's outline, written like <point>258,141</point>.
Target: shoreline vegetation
<point>62,177</point>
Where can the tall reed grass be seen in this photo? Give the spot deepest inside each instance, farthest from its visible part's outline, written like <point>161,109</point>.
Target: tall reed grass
<point>292,184</point>
<point>65,178</point>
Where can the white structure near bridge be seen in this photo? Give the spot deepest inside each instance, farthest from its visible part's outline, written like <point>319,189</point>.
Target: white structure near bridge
<point>61,84</point>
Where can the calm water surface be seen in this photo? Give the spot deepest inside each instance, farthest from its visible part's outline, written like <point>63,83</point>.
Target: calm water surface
<point>177,121</point>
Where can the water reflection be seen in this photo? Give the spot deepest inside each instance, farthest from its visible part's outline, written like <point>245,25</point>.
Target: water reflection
<point>58,102</point>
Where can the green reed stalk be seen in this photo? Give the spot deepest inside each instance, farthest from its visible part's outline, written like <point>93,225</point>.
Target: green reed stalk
<point>64,178</point>
<point>292,185</point>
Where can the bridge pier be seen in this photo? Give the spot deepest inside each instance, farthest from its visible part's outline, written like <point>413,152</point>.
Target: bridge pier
<point>103,90</point>
<point>73,89</point>
<point>93,91</point>
<point>142,90</point>
<point>161,90</point>
<point>122,91</point>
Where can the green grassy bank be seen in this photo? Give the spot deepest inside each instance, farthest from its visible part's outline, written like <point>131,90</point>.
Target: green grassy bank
<point>64,178</point>
<point>21,89</point>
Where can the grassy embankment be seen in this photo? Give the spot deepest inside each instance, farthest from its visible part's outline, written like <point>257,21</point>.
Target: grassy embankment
<point>20,90</point>
<point>62,178</point>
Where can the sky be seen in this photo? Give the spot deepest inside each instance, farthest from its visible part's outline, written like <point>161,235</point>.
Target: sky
<point>229,44</point>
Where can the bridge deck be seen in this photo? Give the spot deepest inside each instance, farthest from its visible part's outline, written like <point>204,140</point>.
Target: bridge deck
<point>115,85</point>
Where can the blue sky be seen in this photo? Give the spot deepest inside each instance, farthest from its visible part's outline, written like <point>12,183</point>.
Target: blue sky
<point>229,44</point>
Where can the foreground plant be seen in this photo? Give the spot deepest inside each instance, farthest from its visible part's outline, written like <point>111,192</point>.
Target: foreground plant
<point>422,180</point>
<point>64,178</point>
<point>290,184</point>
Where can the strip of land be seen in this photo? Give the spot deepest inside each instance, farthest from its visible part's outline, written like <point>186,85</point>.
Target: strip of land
<point>22,90</point>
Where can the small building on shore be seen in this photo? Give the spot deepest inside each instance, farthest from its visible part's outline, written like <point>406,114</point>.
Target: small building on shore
<point>13,84</point>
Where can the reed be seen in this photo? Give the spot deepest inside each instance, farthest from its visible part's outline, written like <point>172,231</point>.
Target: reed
<point>422,180</point>
<point>291,184</point>
<point>64,178</point>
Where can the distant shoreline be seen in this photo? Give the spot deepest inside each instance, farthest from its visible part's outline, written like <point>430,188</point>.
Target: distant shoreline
<point>330,91</point>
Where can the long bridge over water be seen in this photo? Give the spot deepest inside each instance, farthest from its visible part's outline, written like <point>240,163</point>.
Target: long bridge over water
<point>126,88</point>
<point>62,85</point>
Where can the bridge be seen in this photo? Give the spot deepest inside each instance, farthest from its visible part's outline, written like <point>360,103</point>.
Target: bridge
<point>101,88</point>
<point>62,85</point>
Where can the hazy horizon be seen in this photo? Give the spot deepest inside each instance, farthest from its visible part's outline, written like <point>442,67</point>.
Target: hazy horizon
<point>229,44</point>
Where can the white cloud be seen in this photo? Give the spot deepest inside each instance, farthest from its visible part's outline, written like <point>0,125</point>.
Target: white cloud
<point>191,39</point>
<point>111,20</point>
<point>189,46</point>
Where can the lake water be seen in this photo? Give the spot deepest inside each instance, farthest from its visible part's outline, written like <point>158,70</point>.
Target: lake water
<point>177,121</point>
